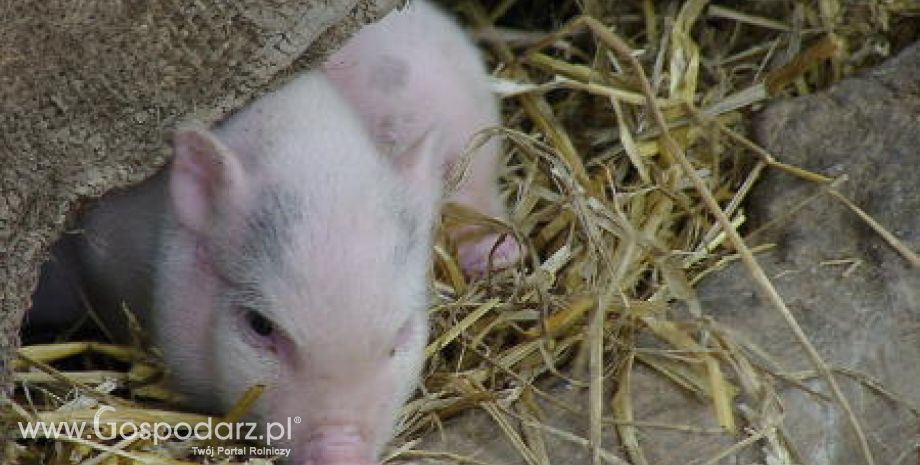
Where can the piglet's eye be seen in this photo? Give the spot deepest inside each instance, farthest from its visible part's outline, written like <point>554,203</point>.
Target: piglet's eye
<point>259,324</point>
<point>260,331</point>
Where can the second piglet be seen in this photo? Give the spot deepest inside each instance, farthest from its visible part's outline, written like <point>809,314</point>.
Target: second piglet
<point>416,71</point>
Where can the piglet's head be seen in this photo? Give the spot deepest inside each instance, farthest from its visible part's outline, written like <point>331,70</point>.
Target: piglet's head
<point>300,262</point>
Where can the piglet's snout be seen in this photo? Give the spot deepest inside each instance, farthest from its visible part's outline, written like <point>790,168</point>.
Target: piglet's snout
<point>340,445</point>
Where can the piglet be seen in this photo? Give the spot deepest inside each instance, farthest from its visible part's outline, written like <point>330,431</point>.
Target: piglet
<point>415,71</point>
<point>296,256</point>
<point>291,254</point>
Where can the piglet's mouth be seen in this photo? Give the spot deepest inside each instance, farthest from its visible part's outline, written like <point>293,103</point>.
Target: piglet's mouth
<point>340,445</point>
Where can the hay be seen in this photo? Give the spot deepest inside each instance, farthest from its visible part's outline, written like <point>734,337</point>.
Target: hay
<point>623,207</point>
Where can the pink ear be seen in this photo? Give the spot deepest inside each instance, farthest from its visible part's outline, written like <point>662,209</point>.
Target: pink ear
<point>205,175</point>
<point>422,166</point>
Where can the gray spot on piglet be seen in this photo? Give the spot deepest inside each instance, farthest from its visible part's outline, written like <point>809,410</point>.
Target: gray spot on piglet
<point>388,74</point>
<point>267,229</point>
<point>410,229</point>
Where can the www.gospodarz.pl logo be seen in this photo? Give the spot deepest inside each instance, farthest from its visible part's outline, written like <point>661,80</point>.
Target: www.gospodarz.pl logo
<point>210,429</point>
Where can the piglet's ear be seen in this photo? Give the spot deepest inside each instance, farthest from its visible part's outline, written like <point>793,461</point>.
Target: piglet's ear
<point>422,167</point>
<point>205,176</point>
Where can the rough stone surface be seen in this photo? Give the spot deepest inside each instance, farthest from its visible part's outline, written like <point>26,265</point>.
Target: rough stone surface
<point>865,321</point>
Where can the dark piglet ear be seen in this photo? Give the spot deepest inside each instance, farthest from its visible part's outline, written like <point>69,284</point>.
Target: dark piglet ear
<point>205,175</point>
